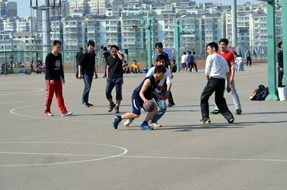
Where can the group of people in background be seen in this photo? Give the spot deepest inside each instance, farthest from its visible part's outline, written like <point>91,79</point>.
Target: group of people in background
<point>188,61</point>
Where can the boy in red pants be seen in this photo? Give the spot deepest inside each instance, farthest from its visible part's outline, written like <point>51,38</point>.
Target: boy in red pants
<point>54,76</point>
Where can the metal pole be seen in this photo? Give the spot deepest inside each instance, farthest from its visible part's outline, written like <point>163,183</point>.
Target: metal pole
<point>46,31</point>
<point>149,41</point>
<point>271,52</point>
<point>234,23</point>
<point>177,44</point>
<point>284,31</point>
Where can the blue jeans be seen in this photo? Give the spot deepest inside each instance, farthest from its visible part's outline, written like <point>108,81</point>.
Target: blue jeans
<point>161,106</point>
<point>111,83</point>
<point>88,83</point>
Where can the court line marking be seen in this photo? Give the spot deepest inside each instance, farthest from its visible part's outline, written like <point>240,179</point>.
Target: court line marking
<point>106,157</point>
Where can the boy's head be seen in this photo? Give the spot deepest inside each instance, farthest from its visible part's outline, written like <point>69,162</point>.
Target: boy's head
<point>211,48</point>
<point>114,49</point>
<point>56,46</point>
<point>280,45</point>
<point>159,72</point>
<point>91,46</point>
<point>160,60</point>
<point>158,47</point>
<point>223,43</point>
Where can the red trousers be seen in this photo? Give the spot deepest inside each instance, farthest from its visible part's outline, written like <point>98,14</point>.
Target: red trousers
<point>50,90</point>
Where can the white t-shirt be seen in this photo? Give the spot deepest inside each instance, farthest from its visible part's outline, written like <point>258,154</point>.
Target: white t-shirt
<point>184,58</point>
<point>216,66</point>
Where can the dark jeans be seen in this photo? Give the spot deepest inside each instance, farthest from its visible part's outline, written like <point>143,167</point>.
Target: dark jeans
<point>248,61</point>
<point>217,86</point>
<point>111,83</point>
<point>280,78</point>
<point>88,83</point>
<point>170,98</point>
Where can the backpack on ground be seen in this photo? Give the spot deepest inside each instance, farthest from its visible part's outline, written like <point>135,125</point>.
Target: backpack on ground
<point>259,93</point>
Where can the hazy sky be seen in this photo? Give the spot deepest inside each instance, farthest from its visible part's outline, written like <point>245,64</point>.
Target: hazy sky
<point>24,10</point>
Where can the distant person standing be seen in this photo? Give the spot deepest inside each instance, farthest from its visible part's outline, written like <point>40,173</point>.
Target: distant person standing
<point>79,56</point>
<point>248,57</point>
<point>216,71</point>
<point>229,57</point>
<point>54,76</point>
<point>183,61</point>
<point>159,51</point>
<point>105,56</point>
<point>280,64</point>
<point>87,70</point>
<point>114,78</point>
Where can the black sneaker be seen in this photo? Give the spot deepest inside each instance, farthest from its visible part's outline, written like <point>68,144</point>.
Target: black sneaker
<point>205,121</point>
<point>116,121</point>
<point>170,105</point>
<point>86,104</point>
<point>90,105</point>
<point>231,120</point>
<point>111,107</point>
<point>117,109</point>
<point>215,112</point>
<point>238,112</point>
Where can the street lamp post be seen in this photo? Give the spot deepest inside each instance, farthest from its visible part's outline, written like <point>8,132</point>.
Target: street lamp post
<point>149,41</point>
<point>177,41</point>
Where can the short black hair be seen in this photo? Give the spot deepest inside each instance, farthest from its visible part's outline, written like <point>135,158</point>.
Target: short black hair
<point>158,45</point>
<point>114,46</point>
<point>105,48</point>
<point>280,44</point>
<point>160,69</point>
<point>91,42</point>
<point>160,58</point>
<point>56,42</point>
<point>212,45</point>
<point>224,40</point>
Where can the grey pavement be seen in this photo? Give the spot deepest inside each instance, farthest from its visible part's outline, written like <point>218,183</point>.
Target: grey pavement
<point>84,152</point>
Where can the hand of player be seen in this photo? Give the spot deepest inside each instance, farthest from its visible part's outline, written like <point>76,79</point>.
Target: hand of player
<point>228,89</point>
<point>96,75</point>
<point>80,76</point>
<point>63,80</point>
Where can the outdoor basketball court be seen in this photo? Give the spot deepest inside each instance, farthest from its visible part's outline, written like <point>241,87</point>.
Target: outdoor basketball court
<point>85,152</point>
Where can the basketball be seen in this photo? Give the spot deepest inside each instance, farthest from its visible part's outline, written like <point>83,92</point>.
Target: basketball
<point>149,106</point>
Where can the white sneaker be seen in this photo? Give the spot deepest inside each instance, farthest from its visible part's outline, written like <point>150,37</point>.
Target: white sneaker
<point>67,113</point>
<point>155,125</point>
<point>128,122</point>
<point>48,114</point>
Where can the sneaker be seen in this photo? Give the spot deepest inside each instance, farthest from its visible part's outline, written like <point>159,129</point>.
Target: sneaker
<point>230,120</point>
<point>128,122</point>
<point>67,113</point>
<point>155,125</point>
<point>170,105</point>
<point>90,105</point>
<point>215,112</point>
<point>205,121</point>
<point>85,104</point>
<point>116,121</point>
<point>145,126</point>
<point>48,114</point>
<point>117,109</point>
<point>238,112</point>
<point>111,107</point>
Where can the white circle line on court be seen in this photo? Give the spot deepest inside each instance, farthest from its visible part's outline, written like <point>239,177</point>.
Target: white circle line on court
<point>208,158</point>
<point>13,111</point>
<point>105,157</point>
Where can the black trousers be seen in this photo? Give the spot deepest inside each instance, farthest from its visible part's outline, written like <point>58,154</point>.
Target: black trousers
<point>170,98</point>
<point>217,86</point>
<point>280,78</point>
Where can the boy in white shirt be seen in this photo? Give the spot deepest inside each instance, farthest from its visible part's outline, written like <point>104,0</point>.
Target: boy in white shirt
<point>216,71</point>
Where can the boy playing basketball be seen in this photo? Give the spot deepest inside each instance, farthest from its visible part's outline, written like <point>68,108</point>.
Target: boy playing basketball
<point>142,93</point>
